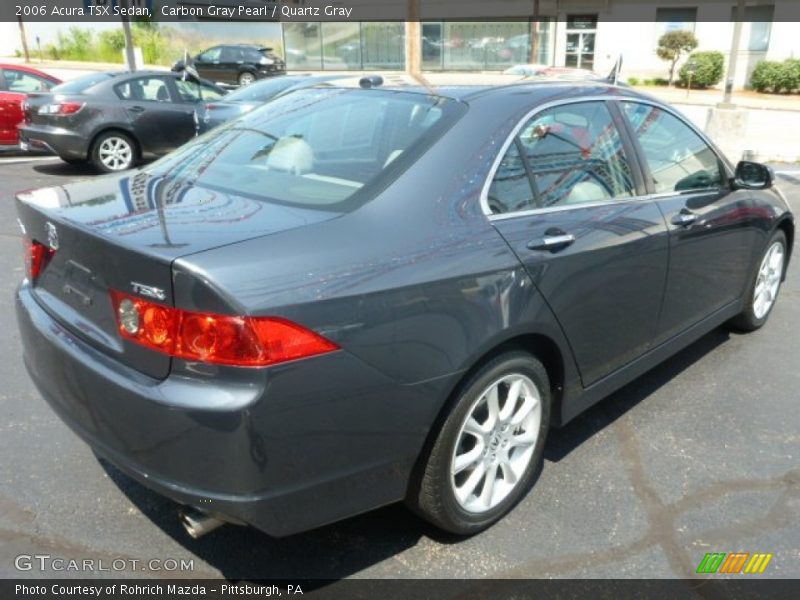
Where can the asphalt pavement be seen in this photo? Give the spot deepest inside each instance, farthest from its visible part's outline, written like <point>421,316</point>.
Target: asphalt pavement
<point>702,454</point>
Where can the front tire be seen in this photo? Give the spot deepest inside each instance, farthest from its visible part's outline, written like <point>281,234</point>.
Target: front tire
<point>490,448</point>
<point>113,152</point>
<point>764,285</point>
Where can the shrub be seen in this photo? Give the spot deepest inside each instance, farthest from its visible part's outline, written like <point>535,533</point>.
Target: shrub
<point>633,81</point>
<point>660,81</point>
<point>672,45</point>
<point>709,68</point>
<point>773,76</point>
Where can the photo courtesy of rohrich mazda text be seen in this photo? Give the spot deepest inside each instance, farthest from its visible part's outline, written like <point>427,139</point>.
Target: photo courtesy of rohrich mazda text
<point>279,274</point>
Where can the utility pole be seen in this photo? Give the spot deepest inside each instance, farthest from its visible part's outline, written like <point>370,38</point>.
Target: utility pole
<point>727,100</point>
<point>413,40</point>
<point>24,39</point>
<point>534,57</point>
<point>129,56</point>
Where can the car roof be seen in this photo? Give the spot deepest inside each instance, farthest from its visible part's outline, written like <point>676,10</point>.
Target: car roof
<point>469,87</point>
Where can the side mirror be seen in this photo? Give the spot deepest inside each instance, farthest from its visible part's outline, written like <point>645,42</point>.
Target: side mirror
<point>753,176</point>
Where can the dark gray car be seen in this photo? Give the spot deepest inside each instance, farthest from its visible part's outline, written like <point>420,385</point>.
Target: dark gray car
<point>115,119</point>
<point>247,98</point>
<point>351,297</point>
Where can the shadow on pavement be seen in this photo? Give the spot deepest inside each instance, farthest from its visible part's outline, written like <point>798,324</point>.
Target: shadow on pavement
<point>350,546</point>
<point>562,441</point>
<point>63,169</point>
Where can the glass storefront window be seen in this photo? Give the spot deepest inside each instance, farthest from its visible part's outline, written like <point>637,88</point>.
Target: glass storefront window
<point>383,45</point>
<point>341,46</point>
<point>479,46</point>
<point>303,46</point>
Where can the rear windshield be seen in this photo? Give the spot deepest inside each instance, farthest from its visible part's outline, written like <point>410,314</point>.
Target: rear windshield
<point>81,84</point>
<point>316,148</point>
<point>263,90</point>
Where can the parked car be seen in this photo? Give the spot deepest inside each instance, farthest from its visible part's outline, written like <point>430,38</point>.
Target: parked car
<point>113,120</point>
<point>237,64</point>
<point>16,82</point>
<point>352,297</point>
<point>246,99</point>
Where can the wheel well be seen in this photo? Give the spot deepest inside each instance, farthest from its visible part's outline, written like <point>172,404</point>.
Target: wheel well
<point>136,148</point>
<point>788,228</point>
<point>542,347</point>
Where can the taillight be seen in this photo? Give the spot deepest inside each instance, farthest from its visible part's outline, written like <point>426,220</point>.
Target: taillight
<point>61,108</point>
<point>213,338</point>
<point>36,257</point>
<point>212,106</point>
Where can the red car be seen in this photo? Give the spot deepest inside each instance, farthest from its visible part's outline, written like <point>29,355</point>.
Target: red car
<point>16,82</point>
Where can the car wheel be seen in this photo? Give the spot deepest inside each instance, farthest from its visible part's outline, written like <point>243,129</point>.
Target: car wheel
<point>764,286</point>
<point>489,449</point>
<point>113,151</point>
<point>246,78</point>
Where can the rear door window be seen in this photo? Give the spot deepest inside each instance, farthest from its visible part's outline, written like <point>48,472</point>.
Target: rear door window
<point>144,89</point>
<point>566,155</point>
<point>678,159</point>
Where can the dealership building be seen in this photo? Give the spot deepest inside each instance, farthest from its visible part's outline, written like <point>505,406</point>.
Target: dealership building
<point>589,34</point>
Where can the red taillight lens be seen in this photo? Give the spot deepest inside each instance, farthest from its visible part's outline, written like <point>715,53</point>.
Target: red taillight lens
<point>220,339</point>
<point>36,257</point>
<point>62,108</point>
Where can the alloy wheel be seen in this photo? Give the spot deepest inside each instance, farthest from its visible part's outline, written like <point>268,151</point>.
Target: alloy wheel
<point>496,443</point>
<point>246,78</point>
<point>115,153</point>
<point>768,280</point>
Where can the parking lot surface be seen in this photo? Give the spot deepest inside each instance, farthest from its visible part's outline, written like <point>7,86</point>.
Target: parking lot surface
<point>702,454</point>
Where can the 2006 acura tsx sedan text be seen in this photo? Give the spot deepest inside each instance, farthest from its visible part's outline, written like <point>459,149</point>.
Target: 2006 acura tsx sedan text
<point>359,295</point>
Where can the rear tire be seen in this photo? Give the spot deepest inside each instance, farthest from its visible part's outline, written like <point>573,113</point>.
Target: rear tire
<point>484,459</point>
<point>765,283</point>
<point>246,78</point>
<point>113,152</point>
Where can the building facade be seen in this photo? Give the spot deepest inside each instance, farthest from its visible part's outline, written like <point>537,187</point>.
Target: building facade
<point>589,34</point>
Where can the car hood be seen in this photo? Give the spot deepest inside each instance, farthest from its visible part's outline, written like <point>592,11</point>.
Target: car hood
<point>165,217</point>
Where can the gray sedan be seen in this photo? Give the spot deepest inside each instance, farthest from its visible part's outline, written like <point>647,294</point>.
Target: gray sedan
<point>351,297</point>
<point>113,120</point>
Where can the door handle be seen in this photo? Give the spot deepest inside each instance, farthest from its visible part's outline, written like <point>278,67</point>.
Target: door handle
<point>553,240</point>
<point>684,218</point>
<point>136,109</point>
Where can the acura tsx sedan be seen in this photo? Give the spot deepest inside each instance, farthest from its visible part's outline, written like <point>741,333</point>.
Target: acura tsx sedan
<point>360,295</point>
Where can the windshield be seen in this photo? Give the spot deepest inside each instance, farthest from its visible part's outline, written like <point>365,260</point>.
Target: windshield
<point>315,148</point>
<point>81,84</point>
<point>263,90</point>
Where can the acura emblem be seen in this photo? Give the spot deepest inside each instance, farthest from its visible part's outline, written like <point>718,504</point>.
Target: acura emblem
<point>52,235</point>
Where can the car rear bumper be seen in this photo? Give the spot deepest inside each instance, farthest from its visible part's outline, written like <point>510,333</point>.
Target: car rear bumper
<point>314,442</point>
<point>63,142</point>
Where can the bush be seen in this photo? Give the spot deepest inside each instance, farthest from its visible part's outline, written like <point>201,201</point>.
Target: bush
<point>773,76</point>
<point>660,81</point>
<point>633,81</point>
<point>710,66</point>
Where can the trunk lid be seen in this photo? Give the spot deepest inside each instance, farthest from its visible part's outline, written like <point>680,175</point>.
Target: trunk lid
<point>123,233</point>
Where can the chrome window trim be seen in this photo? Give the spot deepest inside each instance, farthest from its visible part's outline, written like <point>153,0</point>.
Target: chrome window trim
<point>484,198</point>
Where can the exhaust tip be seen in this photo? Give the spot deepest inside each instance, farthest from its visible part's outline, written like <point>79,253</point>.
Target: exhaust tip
<point>197,523</point>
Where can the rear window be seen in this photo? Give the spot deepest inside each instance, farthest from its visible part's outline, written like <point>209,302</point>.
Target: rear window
<point>81,84</point>
<point>316,148</point>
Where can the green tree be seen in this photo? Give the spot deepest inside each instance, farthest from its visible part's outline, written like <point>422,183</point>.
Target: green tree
<point>674,44</point>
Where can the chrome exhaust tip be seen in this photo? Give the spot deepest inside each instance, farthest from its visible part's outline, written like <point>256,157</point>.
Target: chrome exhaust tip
<point>197,523</point>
